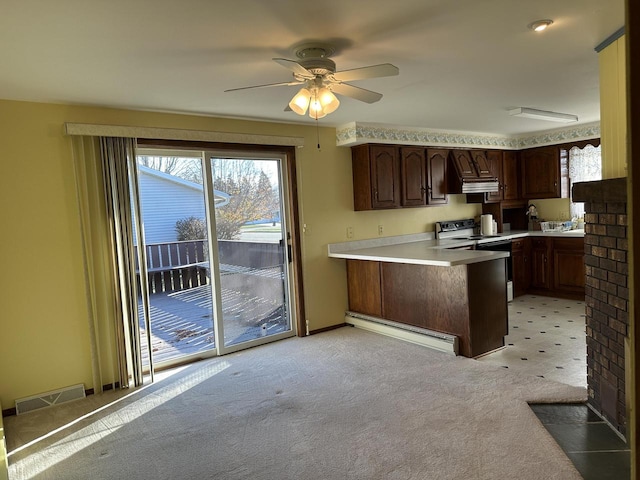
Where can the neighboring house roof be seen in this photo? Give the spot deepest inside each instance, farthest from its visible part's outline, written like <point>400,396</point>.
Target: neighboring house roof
<point>165,199</point>
<point>220,198</point>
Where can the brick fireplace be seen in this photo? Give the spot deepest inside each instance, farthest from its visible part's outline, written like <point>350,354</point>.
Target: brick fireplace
<point>607,295</point>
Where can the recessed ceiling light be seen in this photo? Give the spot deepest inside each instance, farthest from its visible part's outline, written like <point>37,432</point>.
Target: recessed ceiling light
<point>540,25</point>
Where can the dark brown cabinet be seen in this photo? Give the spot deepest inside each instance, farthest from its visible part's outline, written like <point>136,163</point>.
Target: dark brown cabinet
<point>505,166</point>
<point>541,172</point>
<point>437,176</point>
<point>376,177</point>
<point>471,165</point>
<point>494,159</point>
<point>568,266</point>
<point>540,263</point>
<point>557,267</point>
<point>363,284</point>
<point>413,174</point>
<point>480,162</point>
<point>521,261</point>
<point>468,301</point>
<point>463,164</point>
<point>386,176</point>
<point>510,175</point>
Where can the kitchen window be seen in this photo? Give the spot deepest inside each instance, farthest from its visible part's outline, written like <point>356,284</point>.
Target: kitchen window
<point>584,165</point>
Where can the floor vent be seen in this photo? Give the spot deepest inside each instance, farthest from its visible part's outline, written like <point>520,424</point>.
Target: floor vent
<point>49,399</point>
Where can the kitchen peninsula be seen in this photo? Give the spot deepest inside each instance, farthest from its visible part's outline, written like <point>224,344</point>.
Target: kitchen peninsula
<point>422,282</point>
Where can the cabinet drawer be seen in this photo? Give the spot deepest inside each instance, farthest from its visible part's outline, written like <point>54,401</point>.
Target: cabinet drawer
<point>517,245</point>
<point>539,242</point>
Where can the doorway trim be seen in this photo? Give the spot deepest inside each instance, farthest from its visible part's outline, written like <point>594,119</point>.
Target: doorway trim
<point>288,155</point>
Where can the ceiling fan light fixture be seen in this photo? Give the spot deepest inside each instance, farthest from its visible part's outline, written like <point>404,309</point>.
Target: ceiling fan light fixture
<point>315,109</point>
<point>300,102</point>
<point>328,101</point>
<point>540,25</point>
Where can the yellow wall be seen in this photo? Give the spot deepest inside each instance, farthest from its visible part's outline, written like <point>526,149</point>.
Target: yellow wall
<point>613,109</point>
<point>44,339</point>
<point>553,208</point>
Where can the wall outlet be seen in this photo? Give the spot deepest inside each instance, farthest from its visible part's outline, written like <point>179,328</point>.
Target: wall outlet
<point>349,232</point>
<point>380,230</point>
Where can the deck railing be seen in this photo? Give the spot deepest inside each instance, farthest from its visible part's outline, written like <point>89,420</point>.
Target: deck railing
<point>176,266</point>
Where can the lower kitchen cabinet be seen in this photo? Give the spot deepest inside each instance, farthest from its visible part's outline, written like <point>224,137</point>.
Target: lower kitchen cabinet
<point>540,263</point>
<point>549,266</point>
<point>363,284</point>
<point>468,301</point>
<point>521,265</point>
<point>568,266</point>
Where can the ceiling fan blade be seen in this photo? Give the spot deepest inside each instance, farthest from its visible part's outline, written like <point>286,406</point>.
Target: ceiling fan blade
<point>281,84</point>
<point>356,92</point>
<point>373,71</point>
<point>295,67</point>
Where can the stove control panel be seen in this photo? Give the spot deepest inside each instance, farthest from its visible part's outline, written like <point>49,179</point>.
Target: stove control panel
<point>455,225</point>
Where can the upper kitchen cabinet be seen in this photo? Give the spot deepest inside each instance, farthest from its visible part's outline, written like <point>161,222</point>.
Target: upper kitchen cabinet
<point>413,174</point>
<point>480,162</point>
<point>463,164</point>
<point>494,159</point>
<point>541,172</point>
<point>387,176</point>
<point>376,177</point>
<point>510,175</point>
<point>470,173</point>
<point>471,164</point>
<point>437,176</point>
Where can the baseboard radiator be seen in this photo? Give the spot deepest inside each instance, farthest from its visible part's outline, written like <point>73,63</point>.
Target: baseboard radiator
<point>421,336</point>
<point>49,399</point>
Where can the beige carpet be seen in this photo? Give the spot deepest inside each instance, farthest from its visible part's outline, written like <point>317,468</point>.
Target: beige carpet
<point>345,404</point>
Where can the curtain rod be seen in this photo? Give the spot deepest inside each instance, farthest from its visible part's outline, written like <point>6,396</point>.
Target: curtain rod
<point>96,130</point>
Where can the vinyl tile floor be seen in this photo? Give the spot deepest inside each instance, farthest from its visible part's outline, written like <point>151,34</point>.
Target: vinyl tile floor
<point>547,339</point>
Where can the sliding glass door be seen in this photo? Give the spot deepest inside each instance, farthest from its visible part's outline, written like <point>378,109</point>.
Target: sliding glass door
<point>252,250</point>
<point>215,239</point>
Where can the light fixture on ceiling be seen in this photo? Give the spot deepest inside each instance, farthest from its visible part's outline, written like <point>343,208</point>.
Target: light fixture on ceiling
<point>543,115</point>
<point>317,98</point>
<point>540,25</point>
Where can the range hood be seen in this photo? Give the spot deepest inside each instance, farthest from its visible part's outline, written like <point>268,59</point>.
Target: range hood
<point>469,172</point>
<point>479,187</point>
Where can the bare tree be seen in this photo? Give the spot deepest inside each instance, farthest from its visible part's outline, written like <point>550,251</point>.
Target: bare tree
<point>187,168</point>
<point>252,195</point>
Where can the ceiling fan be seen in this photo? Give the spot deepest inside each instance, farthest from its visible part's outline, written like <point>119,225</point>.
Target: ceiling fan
<point>317,73</point>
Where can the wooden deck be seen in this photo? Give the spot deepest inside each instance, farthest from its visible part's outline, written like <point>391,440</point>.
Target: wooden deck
<point>181,322</point>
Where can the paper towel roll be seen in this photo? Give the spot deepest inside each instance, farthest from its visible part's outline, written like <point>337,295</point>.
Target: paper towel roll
<point>486,224</point>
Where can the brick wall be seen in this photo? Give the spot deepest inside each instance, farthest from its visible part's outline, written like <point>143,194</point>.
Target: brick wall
<point>607,306</point>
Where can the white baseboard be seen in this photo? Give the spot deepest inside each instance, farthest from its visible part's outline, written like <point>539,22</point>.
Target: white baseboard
<point>421,336</point>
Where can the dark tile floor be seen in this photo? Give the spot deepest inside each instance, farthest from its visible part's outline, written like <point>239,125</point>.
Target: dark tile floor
<point>594,448</point>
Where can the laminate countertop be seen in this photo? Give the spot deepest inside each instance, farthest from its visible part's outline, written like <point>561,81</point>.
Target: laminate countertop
<point>424,249</point>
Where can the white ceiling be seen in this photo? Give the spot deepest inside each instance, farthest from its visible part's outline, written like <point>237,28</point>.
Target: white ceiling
<point>463,63</point>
